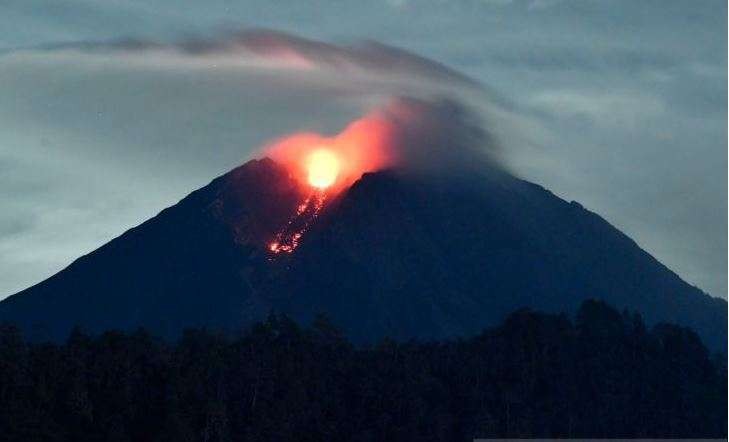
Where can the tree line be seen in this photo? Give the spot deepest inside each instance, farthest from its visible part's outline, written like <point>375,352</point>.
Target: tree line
<point>600,375</point>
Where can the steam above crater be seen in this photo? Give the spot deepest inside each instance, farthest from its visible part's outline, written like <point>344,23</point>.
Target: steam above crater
<point>431,136</point>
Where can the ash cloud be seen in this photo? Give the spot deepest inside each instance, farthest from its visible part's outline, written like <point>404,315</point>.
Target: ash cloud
<point>434,137</point>
<point>439,136</point>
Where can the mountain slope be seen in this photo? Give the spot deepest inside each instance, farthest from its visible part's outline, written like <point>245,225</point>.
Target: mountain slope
<point>181,268</point>
<point>395,255</point>
<point>459,255</point>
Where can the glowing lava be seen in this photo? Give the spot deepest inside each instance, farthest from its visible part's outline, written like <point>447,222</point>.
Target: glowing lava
<point>329,164</point>
<point>335,162</point>
<point>322,167</point>
<point>287,239</point>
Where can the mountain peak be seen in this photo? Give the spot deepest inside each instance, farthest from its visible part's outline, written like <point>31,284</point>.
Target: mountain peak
<point>395,254</point>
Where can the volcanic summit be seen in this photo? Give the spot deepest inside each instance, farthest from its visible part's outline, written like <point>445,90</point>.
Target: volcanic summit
<point>393,254</point>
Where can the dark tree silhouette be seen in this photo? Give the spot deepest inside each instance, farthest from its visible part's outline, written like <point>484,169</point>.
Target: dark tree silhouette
<point>536,375</point>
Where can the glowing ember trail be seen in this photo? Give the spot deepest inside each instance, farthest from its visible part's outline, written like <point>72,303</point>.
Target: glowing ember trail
<point>329,165</point>
<point>323,169</point>
<point>287,239</point>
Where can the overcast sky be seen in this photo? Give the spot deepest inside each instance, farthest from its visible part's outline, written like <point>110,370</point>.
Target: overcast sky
<point>620,105</point>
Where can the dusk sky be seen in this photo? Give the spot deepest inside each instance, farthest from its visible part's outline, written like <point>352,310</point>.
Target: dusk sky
<point>111,111</point>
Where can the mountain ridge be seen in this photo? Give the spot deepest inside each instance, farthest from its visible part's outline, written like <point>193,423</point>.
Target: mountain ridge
<point>396,254</point>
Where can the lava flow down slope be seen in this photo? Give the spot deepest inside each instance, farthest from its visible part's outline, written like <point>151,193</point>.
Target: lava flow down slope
<point>381,228</point>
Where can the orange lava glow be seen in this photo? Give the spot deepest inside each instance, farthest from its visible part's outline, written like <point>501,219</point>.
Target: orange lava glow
<point>335,162</point>
<point>329,165</point>
<point>323,168</point>
<point>288,238</point>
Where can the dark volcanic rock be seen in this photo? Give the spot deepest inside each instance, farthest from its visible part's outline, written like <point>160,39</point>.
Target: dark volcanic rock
<point>395,255</point>
<point>402,256</point>
<point>185,267</point>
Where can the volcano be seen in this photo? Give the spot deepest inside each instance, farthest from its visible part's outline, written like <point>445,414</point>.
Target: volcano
<point>395,254</point>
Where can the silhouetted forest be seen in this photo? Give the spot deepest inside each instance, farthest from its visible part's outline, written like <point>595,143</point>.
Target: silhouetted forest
<point>601,375</point>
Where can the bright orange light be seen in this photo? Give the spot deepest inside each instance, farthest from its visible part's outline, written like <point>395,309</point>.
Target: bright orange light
<point>335,162</point>
<point>330,164</point>
<point>322,168</point>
